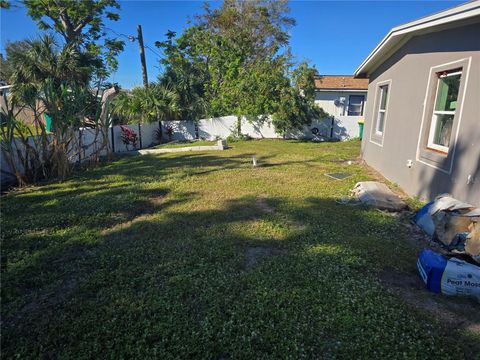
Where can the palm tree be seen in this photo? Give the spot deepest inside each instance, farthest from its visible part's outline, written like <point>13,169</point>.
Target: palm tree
<point>188,85</point>
<point>154,103</point>
<point>42,59</point>
<point>53,80</point>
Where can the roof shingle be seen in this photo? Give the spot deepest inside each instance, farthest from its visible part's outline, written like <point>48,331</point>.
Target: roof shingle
<point>340,82</point>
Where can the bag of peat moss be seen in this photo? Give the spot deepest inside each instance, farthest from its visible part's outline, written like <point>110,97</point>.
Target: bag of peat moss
<point>449,276</point>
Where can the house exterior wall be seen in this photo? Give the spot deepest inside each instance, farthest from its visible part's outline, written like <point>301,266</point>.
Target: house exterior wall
<point>328,101</point>
<point>408,71</point>
<point>26,115</point>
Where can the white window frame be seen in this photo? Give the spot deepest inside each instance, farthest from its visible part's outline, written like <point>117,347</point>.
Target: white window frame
<point>363,104</point>
<point>442,162</point>
<point>380,110</point>
<point>433,123</point>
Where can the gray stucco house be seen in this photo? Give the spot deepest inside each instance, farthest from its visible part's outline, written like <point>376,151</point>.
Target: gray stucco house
<point>422,117</point>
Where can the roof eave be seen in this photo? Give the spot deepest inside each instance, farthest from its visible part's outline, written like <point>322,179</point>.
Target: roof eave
<point>341,89</point>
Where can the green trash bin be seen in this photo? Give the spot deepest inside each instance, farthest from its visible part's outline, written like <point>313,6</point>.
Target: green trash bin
<point>360,125</point>
<point>48,122</point>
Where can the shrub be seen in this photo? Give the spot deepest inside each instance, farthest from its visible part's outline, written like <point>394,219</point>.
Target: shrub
<point>129,137</point>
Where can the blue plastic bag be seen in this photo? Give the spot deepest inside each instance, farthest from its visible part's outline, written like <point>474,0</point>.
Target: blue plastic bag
<point>423,219</point>
<point>449,276</point>
<point>431,267</point>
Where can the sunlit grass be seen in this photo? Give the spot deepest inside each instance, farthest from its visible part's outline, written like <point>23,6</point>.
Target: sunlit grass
<point>147,258</point>
<point>177,144</point>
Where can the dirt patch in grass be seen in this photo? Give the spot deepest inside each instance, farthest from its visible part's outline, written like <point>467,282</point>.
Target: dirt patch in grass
<point>296,225</point>
<point>455,313</point>
<point>45,300</point>
<point>124,219</point>
<point>139,209</point>
<point>137,213</point>
<point>157,197</point>
<point>416,237</point>
<point>157,200</point>
<point>52,298</point>
<point>124,225</point>
<point>262,203</point>
<point>256,254</point>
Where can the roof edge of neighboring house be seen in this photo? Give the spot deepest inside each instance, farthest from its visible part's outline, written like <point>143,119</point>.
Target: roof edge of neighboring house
<point>340,83</point>
<point>342,89</point>
<point>343,75</point>
<point>398,35</point>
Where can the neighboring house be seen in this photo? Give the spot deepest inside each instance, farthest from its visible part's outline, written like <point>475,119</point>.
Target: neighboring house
<point>4,89</point>
<point>343,97</point>
<point>25,115</point>
<point>422,119</point>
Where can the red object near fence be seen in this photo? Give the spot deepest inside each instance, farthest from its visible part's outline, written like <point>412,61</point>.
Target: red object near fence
<point>129,137</point>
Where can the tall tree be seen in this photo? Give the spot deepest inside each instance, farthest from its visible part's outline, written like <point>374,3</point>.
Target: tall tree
<point>47,79</point>
<point>244,41</point>
<point>295,105</point>
<point>6,62</point>
<point>81,24</point>
<point>54,78</point>
<point>185,71</point>
<point>237,59</point>
<point>41,60</point>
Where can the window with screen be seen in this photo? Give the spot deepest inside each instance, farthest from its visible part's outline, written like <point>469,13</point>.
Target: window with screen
<point>355,105</point>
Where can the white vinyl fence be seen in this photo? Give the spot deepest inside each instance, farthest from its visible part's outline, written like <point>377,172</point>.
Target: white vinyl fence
<point>337,128</point>
<point>331,128</point>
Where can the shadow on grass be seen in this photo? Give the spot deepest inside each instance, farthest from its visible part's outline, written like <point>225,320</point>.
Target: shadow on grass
<point>175,283</point>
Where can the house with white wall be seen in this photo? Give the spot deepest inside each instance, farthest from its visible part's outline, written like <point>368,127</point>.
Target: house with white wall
<point>343,97</point>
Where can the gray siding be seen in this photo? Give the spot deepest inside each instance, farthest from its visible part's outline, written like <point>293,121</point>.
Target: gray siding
<point>409,70</point>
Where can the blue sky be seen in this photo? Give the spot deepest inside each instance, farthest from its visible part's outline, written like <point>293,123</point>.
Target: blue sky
<point>335,36</point>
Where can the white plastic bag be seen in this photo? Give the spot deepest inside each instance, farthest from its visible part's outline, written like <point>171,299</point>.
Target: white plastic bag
<point>461,278</point>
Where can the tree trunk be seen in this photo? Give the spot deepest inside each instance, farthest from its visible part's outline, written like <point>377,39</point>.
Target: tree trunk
<point>239,126</point>
<point>107,97</point>
<point>160,131</point>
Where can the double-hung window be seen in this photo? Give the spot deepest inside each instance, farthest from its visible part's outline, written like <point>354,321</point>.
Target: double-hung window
<point>441,119</point>
<point>382,109</point>
<point>448,84</point>
<point>355,105</point>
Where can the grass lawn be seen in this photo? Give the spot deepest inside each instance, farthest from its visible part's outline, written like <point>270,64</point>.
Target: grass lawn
<point>199,255</point>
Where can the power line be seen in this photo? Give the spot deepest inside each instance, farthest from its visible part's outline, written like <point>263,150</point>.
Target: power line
<point>132,38</point>
<point>149,48</point>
